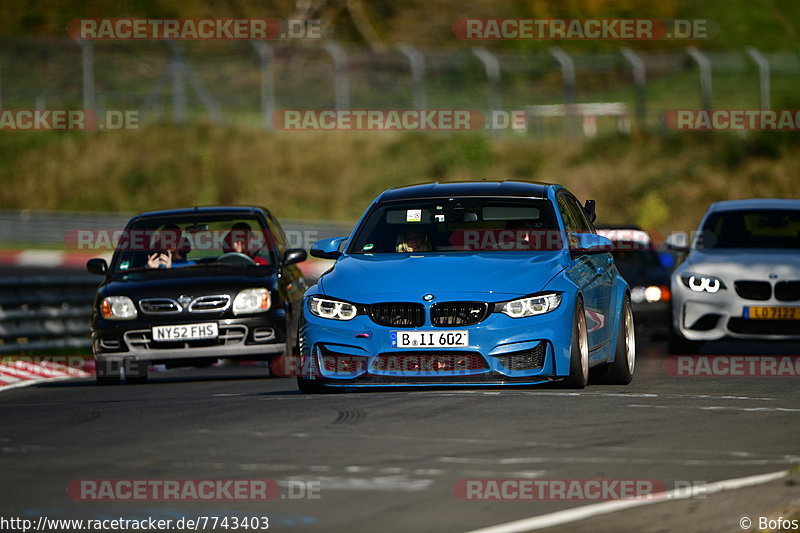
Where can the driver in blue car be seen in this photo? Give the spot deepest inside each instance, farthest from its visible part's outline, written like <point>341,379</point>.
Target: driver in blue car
<point>170,248</point>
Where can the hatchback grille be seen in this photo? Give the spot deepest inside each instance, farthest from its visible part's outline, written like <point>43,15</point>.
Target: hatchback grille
<point>525,359</point>
<point>159,306</point>
<point>787,290</point>
<point>209,304</point>
<point>429,362</point>
<point>753,290</point>
<point>398,314</point>
<point>458,313</point>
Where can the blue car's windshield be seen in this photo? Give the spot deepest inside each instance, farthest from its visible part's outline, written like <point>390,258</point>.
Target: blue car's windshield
<point>458,225</point>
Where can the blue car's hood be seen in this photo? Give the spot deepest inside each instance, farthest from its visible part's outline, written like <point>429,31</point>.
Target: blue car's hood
<point>364,277</point>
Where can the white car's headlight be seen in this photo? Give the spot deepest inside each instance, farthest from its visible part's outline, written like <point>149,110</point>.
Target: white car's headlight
<point>252,301</point>
<point>534,305</point>
<point>118,308</point>
<point>698,283</point>
<point>333,309</point>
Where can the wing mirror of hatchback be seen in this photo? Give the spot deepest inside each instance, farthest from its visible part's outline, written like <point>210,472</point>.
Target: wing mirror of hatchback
<point>97,266</point>
<point>677,242</point>
<point>589,243</point>
<point>328,248</point>
<point>591,212</point>
<point>294,255</point>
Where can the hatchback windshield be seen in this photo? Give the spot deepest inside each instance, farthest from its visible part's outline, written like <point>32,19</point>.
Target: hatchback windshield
<point>760,228</point>
<point>458,225</point>
<point>192,241</point>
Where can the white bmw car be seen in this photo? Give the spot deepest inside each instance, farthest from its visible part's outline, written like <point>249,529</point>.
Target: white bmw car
<point>741,279</point>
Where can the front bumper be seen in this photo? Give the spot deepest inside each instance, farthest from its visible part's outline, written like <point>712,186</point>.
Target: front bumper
<point>700,316</point>
<point>501,351</point>
<point>258,337</point>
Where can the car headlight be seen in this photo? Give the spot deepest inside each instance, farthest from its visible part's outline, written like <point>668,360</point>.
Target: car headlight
<point>118,308</point>
<point>533,305</point>
<point>333,309</point>
<point>650,294</point>
<point>697,283</point>
<point>252,301</point>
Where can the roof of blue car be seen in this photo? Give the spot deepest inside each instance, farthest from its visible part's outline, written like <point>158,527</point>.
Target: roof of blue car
<point>518,189</point>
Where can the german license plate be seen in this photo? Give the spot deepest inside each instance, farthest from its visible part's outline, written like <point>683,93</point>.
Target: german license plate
<point>185,332</point>
<point>771,313</point>
<point>429,339</point>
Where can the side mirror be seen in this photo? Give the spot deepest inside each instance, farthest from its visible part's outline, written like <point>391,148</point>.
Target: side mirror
<point>294,255</point>
<point>97,266</point>
<point>677,242</point>
<point>328,248</point>
<point>589,243</point>
<point>589,207</point>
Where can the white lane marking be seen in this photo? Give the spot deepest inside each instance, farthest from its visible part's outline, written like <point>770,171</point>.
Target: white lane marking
<point>511,392</point>
<point>718,408</point>
<point>618,460</point>
<point>588,511</point>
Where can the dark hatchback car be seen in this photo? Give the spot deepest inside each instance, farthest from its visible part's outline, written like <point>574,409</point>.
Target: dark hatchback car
<point>647,271</point>
<point>187,287</point>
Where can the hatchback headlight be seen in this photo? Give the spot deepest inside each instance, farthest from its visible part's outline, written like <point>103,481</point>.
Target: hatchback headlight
<point>252,301</point>
<point>697,283</point>
<point>118,308</point>
<point>533,305</point>
<point>333,309</point>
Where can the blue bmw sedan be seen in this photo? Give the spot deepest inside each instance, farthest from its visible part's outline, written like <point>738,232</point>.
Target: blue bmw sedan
<point>484,283</point>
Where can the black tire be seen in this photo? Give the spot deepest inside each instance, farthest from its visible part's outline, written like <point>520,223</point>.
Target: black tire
<point>136,372</point>
<point>311,386</point>
<point>679,345</point>
<point>620,371</point>
<point>107,373</point>
<point>108,380</point>
<point>579,351</point>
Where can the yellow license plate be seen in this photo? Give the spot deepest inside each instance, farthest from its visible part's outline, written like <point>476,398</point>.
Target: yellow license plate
<point>771,313</point>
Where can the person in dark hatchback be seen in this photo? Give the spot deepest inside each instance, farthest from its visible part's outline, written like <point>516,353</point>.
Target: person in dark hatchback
<point>240,239</point>
<point>170,249</point>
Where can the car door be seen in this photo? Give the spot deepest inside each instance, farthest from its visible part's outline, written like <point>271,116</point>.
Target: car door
<point>292,281</point>
<point>589,271</point>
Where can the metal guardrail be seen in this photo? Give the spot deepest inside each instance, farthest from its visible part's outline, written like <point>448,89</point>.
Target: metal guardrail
<point>45,312</point>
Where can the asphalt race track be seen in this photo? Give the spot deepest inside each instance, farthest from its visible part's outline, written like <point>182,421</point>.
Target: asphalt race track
<point>389,460</point>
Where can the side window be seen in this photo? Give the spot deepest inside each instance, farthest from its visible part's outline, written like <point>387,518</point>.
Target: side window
<point>277,231</point>
<point>570,224</point>
<point>581,220</point>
